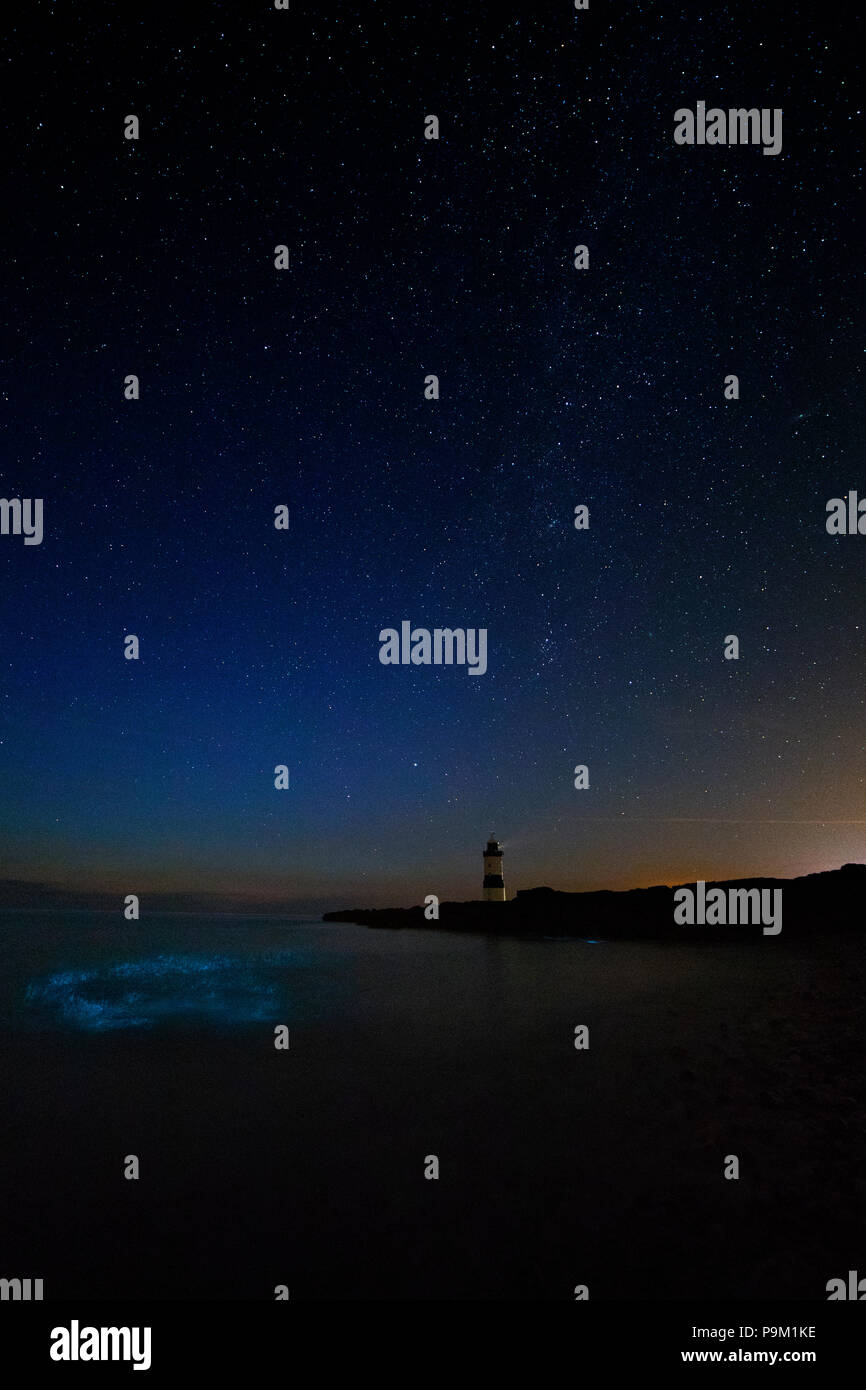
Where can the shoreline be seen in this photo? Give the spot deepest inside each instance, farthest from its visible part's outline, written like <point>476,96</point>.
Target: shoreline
<point>833,898</point>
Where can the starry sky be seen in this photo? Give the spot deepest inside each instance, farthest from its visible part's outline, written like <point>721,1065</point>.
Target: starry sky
<point>306,388</point>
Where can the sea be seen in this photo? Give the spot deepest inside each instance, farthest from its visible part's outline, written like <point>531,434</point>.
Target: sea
<point>455,1116</point>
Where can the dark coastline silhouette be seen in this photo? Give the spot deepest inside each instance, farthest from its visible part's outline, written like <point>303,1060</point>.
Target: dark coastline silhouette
<point>812,904</point>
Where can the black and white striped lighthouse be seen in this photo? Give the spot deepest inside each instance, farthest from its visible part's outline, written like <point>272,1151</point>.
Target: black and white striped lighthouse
<point>494,883</point>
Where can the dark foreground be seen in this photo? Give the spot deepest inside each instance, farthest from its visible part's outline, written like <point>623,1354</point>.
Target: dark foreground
<point>558,1167</point>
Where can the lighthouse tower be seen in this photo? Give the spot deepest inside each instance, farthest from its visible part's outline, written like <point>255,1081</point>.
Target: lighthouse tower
<point>494,883</point>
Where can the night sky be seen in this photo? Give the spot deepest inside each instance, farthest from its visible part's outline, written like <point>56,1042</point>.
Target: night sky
<point>305,387</point>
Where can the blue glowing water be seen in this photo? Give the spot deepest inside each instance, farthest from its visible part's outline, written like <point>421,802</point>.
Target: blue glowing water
<point>97,976</point>
<point>138,994</point>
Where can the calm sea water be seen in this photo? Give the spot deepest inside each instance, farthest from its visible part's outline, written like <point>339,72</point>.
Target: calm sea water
<point>89,973</point>
<point>306,1167</point>
<point>86,973</point>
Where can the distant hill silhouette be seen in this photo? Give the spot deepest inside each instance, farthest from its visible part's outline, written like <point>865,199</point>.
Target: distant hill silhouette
<point>810,904</point>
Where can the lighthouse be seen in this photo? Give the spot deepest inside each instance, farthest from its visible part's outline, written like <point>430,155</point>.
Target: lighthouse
<point>494,883</point>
